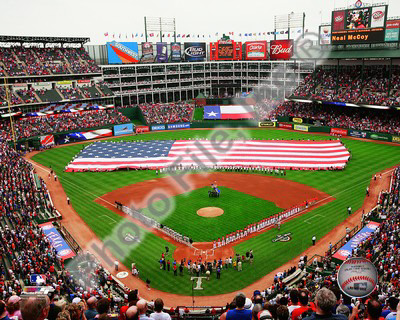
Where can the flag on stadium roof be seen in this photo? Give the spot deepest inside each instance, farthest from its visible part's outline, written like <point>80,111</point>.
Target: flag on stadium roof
<point>302,154</point>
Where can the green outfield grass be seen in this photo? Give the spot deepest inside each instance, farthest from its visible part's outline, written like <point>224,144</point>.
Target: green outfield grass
<point>237,213</point>
<point>348,187</point>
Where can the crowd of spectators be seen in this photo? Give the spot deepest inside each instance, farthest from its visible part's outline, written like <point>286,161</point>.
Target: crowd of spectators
<point>34,126</point>
<point>167,113</point>
<point>372,85</point>
<point>22,61</point>
<point>352,118</point>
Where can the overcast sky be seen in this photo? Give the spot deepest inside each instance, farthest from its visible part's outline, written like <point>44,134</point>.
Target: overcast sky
<point>92,18</point>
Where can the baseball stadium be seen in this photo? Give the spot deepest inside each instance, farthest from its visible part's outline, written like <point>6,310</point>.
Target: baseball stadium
<point>167,171</point>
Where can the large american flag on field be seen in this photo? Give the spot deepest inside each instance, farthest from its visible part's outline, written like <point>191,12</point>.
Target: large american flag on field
<point>105,156</point>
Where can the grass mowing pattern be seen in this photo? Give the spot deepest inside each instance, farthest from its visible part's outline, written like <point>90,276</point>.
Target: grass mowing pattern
<point>237,214</point>
<point>348,187</point>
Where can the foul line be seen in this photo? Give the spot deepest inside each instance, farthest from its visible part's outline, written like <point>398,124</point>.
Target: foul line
<point>71,183</point>
<point>314,216</point>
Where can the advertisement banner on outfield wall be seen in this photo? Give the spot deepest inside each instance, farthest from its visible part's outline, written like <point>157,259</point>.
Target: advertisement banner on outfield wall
<point>378,136</point>
<point>357,134</point>
<point>121,129</point>
<point>195,51</point>
<point>267,124</point>
<point>325,35</point>
<point>285,125</point>
<point>162,52</point>
<point>174,126</point>
<point>297,120</point>
<point>342,132</point>
<point>300,127</point>
<point>141,129</point>
<point>396,139</point>
<point>176,54</point>
<point>157,127</point>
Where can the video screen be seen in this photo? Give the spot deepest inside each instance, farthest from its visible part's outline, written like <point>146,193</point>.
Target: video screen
<point>358,19</point>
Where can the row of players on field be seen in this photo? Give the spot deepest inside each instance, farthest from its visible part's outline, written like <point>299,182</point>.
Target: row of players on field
<point>265,170</point>
<point>274,220</point>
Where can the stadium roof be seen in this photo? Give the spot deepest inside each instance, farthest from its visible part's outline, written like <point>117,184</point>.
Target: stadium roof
<point>43,39</point>
<point>348,54</point>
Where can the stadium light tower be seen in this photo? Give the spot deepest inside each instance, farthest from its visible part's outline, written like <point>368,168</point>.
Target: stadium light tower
<point>159,25</point>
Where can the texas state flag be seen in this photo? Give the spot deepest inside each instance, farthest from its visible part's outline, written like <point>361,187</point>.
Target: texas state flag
<point>228,112</point>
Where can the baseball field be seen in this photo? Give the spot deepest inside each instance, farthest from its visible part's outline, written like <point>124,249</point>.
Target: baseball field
<point>89,192</point>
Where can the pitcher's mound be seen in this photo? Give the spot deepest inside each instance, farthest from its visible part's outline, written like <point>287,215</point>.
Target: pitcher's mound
<point>210,212</point>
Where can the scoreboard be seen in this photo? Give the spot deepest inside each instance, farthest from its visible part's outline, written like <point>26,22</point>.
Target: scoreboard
<point>359,25</point>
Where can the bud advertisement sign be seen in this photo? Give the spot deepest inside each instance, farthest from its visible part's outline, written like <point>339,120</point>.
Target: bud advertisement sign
<point>195,51</point>
<point>338,20</point>
<point>281,49</point>
<point>378,17</point>
<point>256,50</point>
<point>147,52</point>
<point>325,34</point>
<point>162,52</point>
<point>176,51</point>
<point>122,52</point>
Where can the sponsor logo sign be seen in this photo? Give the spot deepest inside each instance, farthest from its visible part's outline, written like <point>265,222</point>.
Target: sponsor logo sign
<point>267,124</point>
<point>357,134</point>
<point>342,132</point>
<point>338,20</point>
<point>325,34</point>
<point>377,136</point>
<point>122,52</point>
<point>162,52</point>
<point>173,126</point>
<point>256,50</point>
<point>378,17</point>
<point>141,129</point>
<point>285,125</point>
<point>392,30</point>
<point>281,49</point>
<point>57,241</point>
<point>298,120</point>
<point>300,127</point>
<point>123,129</point>
<point>225,50</point>
<point>176,51</point>
<point>283,237</point>
<point>147,52</point>
<point>357,277</point>
<point>158,127</point>
<point>396,139</point>
<point>194,51</point>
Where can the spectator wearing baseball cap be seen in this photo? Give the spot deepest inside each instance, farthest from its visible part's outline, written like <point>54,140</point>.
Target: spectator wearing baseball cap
<point>13,307</point>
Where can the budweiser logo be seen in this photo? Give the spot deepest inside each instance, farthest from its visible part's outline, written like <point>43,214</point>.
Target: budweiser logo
<point>279,49</point>
<point>378,15</point>
<point>339,18</point>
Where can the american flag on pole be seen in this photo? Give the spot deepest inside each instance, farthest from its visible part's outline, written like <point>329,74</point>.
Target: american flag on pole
<point>306,155</point>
